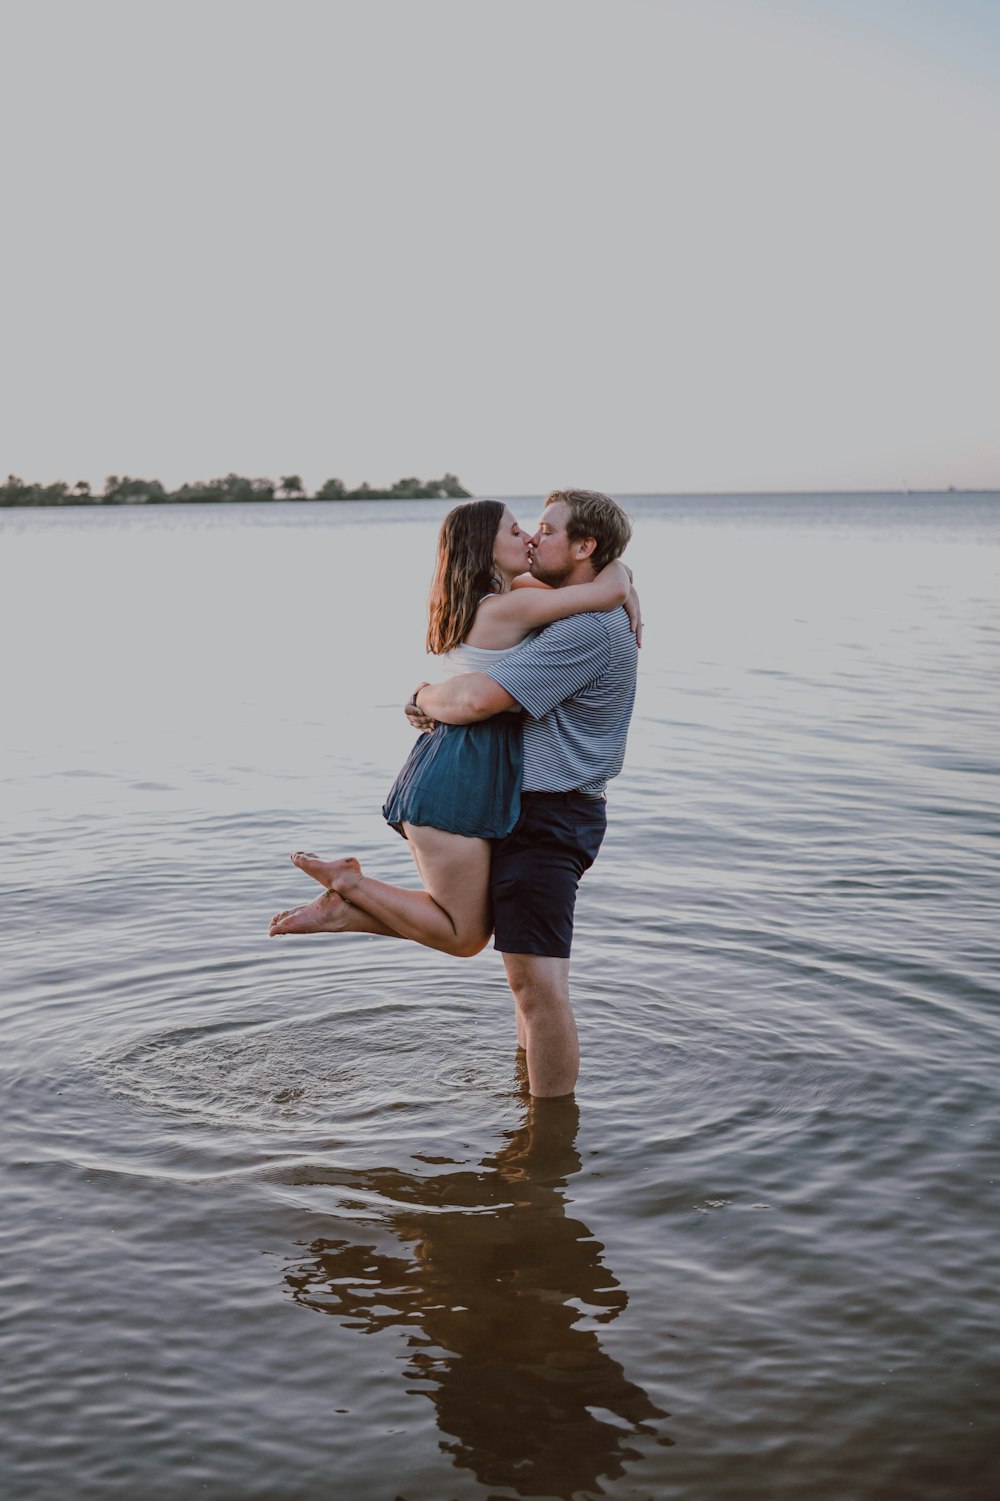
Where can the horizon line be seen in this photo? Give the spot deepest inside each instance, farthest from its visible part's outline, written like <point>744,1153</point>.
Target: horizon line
<point>695,494</point>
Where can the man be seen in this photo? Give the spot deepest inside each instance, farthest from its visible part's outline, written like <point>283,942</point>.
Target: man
<point>576,683</point>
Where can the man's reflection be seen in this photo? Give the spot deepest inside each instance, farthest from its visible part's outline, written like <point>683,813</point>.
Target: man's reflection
<point>500,1292</point>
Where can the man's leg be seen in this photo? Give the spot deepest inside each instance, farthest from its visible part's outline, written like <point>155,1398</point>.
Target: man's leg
<point>541,994</point>
<point>533,883</point>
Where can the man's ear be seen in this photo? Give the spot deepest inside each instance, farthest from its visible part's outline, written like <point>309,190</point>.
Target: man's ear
<point>584,548</point>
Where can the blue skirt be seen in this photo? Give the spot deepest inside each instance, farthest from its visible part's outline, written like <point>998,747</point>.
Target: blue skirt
<point>462,778</point>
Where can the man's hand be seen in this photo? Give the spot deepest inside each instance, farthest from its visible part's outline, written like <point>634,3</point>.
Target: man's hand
<point>418,720</point>
<point>465,699</point>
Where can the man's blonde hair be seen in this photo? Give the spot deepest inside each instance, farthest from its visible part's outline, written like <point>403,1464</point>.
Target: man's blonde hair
<point>592,514</point>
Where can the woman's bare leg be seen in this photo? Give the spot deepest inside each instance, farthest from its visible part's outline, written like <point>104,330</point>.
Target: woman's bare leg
<point>329,913</point>
<point>452,914</point>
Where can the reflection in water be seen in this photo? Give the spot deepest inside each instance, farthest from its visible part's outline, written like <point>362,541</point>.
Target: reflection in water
<point>499,1291</point>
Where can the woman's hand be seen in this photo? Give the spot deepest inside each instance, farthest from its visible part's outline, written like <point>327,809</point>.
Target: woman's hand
<point>634,614</point>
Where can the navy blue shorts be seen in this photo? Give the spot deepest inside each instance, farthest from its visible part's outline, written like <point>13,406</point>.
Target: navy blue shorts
<point>537,868</point>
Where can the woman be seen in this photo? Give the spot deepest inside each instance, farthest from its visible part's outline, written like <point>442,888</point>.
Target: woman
<point>460,785</point>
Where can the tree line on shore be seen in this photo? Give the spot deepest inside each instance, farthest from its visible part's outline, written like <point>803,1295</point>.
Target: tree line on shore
<point>119,491</point>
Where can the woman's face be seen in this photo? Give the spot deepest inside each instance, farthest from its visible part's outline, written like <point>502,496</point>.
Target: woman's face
<point>510,550</point>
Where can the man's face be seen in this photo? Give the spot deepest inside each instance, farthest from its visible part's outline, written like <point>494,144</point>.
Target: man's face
<point>551,559</point>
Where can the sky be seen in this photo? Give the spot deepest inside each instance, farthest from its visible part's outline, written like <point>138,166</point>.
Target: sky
<point>635,245</point>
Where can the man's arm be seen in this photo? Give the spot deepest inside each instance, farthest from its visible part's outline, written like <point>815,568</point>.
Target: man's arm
<point>546,671</point>
<point>463,700</point>
<point>558,664</point>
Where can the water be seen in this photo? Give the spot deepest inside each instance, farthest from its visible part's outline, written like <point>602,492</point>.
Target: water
<point>279,1222</point>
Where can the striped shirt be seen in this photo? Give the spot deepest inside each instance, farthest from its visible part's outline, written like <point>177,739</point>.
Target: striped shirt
<point>576,682</point>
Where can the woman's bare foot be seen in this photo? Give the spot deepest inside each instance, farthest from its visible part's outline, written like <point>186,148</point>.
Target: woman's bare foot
<point>335,875</point>
<point>327,914</point>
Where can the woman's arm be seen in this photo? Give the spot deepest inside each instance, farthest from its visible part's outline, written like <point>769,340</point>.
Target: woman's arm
<point>632,608</point>
<point>634,612</point>
<point>529,608</point>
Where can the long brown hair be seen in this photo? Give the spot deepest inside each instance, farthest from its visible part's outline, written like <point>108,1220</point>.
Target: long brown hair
<point>464,573</point>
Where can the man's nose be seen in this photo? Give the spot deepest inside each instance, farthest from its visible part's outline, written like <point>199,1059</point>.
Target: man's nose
<point>533,541</point>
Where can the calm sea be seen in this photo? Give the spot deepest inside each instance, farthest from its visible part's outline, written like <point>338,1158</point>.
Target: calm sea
<point>278,1222</point>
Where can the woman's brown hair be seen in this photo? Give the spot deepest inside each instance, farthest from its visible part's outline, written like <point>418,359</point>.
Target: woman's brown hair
<point>464,573</point>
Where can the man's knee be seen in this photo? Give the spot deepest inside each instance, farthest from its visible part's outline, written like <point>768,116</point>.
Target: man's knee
<point>537,980</point>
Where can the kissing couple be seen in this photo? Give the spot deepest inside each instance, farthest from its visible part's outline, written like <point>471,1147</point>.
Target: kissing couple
<point>502,799</point>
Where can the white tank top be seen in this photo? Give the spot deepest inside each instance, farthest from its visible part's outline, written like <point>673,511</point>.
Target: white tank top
<point>466,658</point>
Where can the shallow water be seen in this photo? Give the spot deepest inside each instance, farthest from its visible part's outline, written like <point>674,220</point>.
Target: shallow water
<point>279,1222</point>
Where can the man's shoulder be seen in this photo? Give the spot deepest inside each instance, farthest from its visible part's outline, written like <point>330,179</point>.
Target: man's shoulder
<point>593,626</point>
<point>601,630</point>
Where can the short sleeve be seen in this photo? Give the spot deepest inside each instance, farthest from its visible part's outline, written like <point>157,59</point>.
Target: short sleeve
<point>564,658</point>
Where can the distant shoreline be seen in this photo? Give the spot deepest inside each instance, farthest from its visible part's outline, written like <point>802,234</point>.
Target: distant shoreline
<point>75,501</point>
<point>235,488</point>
